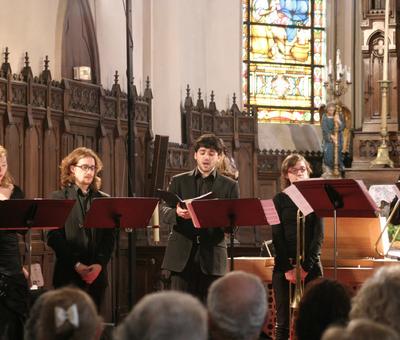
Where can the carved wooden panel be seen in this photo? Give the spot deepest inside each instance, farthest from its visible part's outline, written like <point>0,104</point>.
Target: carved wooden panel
<point>51,155</point>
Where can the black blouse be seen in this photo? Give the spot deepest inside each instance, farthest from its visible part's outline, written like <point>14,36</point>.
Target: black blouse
<point>10,261</point>
<point>284,235</point>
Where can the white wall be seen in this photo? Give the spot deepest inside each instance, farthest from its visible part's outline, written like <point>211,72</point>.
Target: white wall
<point>33,27</point>
<point>196,43</point>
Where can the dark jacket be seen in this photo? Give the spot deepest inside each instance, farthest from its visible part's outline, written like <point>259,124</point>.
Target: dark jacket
<point>212,247</point>
<point>68,252</point>
<point>284,236</point>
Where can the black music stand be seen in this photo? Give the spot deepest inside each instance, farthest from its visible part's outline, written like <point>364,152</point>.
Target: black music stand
<point>227,213</point>
<point>28,214</point>
<point>337,198</point>
<point>120,212</point>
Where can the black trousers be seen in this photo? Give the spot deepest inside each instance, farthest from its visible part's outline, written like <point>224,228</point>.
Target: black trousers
<point>192,279</point>
<point>14,298</point>
<point>281,294</point>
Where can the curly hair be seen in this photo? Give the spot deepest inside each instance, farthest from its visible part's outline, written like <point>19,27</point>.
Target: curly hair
<point>89,321</point>
<point>377,299</point>
<point>7,180</point>
<point>67,177</point>
<point>289,162</point>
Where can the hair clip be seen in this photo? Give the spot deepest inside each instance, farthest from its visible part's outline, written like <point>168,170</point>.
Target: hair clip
<point>71,314</point>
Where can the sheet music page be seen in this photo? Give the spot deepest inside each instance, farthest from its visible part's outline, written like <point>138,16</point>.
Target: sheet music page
<point>270,212</point>
<point>298,199</point>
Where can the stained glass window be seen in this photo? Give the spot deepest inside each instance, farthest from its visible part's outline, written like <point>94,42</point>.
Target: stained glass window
<point>284,55</point>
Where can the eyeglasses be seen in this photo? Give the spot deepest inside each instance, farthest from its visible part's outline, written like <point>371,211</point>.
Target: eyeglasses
<point>86,168</point>
<point>295,171</point>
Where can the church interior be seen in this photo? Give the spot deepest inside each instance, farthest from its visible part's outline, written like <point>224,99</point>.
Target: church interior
<point>140,84</point>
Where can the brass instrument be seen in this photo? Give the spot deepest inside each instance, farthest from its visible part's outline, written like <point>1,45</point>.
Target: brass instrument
<point>299,285</point>
<point>385,229</point>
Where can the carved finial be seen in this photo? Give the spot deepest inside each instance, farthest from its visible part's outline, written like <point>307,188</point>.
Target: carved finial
<point>116,76</point>
<point>26,59</point>
<point>199,94</point>
<point>6,54</point>
<point>45,76</point>
<point>147,82</point>
<point>187,91</point>
<point>46,63</point>
<point>212,96</point>
<point>5,67</point>
<point>26,71</point>
<point>234,98</point>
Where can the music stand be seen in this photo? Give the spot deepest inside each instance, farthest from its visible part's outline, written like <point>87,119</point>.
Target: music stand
<point>28,214</point>
<point>227,213</point>
<point>337,198</point>
<point>120,212</point>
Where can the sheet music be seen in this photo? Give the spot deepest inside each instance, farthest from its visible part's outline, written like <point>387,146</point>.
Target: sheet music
<point>396,191</point>
<point>270,212</point>
<point>298,199</point>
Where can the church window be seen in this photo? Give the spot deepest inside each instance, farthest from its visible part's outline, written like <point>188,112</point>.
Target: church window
<point>284,58</point>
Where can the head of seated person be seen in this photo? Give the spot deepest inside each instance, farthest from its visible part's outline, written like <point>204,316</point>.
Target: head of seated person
<point>361,329</point>
<point>237,306</point>
<point>66,313</point>
<point>377,298</point>
<point>165,315</point>
<point>325,302</point>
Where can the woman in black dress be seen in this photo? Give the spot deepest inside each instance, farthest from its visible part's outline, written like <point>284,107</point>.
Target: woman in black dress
<point>13,285</point>
<point>294,168</point>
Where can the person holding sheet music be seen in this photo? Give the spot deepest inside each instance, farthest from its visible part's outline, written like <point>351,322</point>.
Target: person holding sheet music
<point>82,254</point>
<point>196,257</point>
<point>294,168</point>
<point>14,293</point>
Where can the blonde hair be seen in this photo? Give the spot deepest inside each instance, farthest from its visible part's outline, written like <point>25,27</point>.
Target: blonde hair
<point>67,177</point>
<point>89,320</point>
<point>7,180</point>
<point>289,162</point>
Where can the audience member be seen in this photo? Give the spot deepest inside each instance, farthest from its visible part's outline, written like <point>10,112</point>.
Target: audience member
<point>361,329</point>
<point>237,307</point>
<point>66,314</point>
<point>325,302</point>
<point>165,315</point>
<point>378,300</point>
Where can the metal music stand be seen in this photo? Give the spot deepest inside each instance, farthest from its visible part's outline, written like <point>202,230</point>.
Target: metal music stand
<point>227,213</point>
<point>29,214</point>
<point>120,212</point>
<point>337,198</point>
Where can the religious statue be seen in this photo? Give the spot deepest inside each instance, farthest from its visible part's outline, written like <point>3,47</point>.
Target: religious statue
<point>332,124</point>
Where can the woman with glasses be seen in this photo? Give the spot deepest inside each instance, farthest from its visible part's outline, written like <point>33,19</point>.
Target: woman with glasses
<point>294,168</point>
<point>13,285</point>
<point>82,253</point>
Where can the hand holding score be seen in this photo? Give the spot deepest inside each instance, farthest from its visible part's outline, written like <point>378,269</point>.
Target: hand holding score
<point>183,213</point>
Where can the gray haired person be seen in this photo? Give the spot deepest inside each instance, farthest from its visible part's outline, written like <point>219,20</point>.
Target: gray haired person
<point>378,298</point>
<point>165,315</point>
<point>237,307</point>
<point>361,329</point>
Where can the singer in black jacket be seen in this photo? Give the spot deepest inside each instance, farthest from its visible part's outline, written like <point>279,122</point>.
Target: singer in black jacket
<point>82,254</point>
<point>284,237</point>
<point>196,257</point>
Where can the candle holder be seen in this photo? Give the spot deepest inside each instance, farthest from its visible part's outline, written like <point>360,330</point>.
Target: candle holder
<point>336,85</point>
<point>382,156</point>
